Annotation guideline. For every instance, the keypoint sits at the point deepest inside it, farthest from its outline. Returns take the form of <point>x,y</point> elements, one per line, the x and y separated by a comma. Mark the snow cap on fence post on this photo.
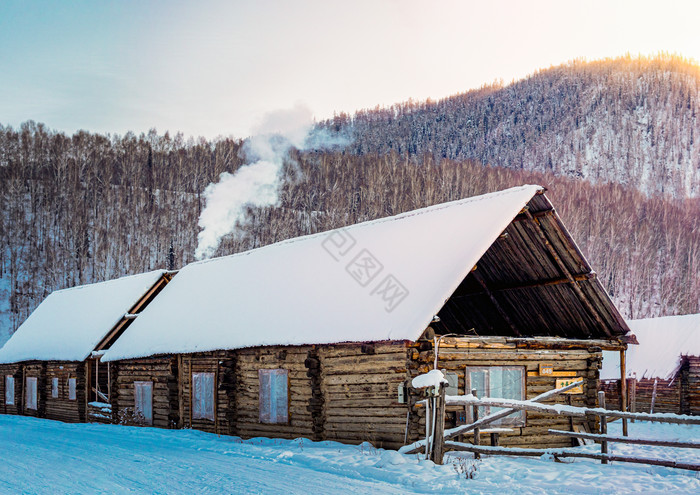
<point>433,378</point>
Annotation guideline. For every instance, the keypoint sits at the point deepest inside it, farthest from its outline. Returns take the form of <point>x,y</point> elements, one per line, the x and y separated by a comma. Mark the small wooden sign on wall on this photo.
<point>546,368</point>
<point>563,382</point>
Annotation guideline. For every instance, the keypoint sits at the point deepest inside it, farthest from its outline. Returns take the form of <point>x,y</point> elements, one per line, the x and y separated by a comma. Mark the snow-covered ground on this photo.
<point>42,456</point>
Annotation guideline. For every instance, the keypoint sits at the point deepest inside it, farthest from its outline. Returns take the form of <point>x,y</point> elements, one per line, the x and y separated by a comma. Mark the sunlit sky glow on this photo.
<point>215,67</point>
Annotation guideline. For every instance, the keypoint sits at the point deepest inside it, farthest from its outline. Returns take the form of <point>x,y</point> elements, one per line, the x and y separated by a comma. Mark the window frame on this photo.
<point>516,420</point>
<point>147,419</point>
<point>268,403</point>
<point>199,396</point>
<point>72,389</point>
<point>31,395</point>
<point>55,385</point>
<point>9,390</point>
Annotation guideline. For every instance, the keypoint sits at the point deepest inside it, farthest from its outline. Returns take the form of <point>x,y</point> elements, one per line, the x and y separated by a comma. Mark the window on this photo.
<point>502,382</point>
<point>203,396</point>
<point>71,389</point>
<point>274,396</point>
<point>143,401</point>
<point>30,394</point>
<point>9,390</point>
<point>54,388</point>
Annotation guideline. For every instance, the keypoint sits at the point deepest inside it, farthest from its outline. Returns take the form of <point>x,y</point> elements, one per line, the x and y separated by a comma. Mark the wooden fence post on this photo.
<point>603,426</point>
<point>623,389</point>
<point>477,430</point>
<point>439,431</point>
<point>632,388</point>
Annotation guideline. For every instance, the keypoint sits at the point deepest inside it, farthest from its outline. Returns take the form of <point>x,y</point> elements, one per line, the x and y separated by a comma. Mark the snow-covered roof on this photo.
<point>70,323</point>
<point>378,280</point>
<point>662,343</point>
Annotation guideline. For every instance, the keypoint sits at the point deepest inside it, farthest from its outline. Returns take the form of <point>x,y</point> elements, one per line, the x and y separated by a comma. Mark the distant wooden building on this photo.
<point>51,368</point>
<point>663,371</point>
<point>319,336</point>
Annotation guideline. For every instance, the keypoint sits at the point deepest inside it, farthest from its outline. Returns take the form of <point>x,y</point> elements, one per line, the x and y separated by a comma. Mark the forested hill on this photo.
<point>89,207</point>
<point>633,121</point>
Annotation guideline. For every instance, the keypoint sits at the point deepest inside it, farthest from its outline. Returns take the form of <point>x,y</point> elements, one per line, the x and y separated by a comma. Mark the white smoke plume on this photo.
<point>259,182</point>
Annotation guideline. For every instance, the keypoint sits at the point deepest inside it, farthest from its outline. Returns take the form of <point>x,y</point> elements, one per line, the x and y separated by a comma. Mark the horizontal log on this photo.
<point>630,440</point>
<point>486,450</point>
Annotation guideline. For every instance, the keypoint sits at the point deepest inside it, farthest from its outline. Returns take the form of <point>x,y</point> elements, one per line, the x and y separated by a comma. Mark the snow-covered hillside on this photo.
<point>42,456</point>
<point>633,121</point>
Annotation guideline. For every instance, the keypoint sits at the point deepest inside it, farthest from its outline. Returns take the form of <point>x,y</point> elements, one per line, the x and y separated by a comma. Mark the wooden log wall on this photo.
<point>222,364</point>
<point>63,408</point>
<point>668,395</point>
<point>690,384</point>
<point>247,388</point>
<point>457,354</point>
<point>16,371</point>
<point>163,372</point>
<point>360,384</point>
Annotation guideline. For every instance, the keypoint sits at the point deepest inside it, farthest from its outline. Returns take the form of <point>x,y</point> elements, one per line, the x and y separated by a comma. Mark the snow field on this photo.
<point>43,456</point>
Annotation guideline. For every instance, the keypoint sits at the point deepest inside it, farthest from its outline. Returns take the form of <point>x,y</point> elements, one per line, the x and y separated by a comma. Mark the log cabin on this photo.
<point>319,336</point>
<point>50,366</point>
<point>663,371</point>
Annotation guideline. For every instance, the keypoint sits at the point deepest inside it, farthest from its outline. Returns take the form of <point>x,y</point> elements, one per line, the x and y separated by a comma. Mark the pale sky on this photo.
<point>216,67</point>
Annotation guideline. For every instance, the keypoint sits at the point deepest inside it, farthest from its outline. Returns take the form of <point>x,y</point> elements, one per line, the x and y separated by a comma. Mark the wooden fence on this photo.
<point>436,444</point>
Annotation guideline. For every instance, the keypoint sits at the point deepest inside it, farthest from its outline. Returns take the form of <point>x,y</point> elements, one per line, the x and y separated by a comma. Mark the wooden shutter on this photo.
<point>203,396</point>
<point>9,390</point>
<point>143,401</point>
<point>264,397</point>
<point>274,396</point>
<point>71,389</point>
<point>30,398</point>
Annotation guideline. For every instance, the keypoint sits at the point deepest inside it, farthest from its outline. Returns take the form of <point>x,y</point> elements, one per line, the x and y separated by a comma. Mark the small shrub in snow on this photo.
<point>465,467</point>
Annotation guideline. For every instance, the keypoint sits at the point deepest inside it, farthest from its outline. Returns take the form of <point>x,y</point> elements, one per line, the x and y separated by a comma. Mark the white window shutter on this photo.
<point>208,396</point>
<point>274,396</point>
<point>30,400</point>
<point>71,389</point>
<point>196,395</point>
<point>264,378</point>
<point>281,396</point>
<point>143,400</point>
<point>203,395</point>
<point>9,390</point>
<point>54,388</point>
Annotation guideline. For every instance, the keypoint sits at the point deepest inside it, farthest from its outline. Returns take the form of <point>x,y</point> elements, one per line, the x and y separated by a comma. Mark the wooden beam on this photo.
<point>132,312</point>
<point>636,441</point>
<point>477,276</point>
<point>482,449</point>
<point>486,342</point>
<point>522,217</point>
<point>565,271</point>
<point>530,285</point>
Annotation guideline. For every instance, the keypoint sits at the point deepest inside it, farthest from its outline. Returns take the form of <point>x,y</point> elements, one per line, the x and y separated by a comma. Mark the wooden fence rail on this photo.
<point>575,411</point>
<point>637,441</point>
<point>557,454</point>
<point>442,441</point>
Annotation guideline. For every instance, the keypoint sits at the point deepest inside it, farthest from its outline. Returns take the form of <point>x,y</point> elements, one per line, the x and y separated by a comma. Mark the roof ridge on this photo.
<point>105,282</point>
<point>376,221</point>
